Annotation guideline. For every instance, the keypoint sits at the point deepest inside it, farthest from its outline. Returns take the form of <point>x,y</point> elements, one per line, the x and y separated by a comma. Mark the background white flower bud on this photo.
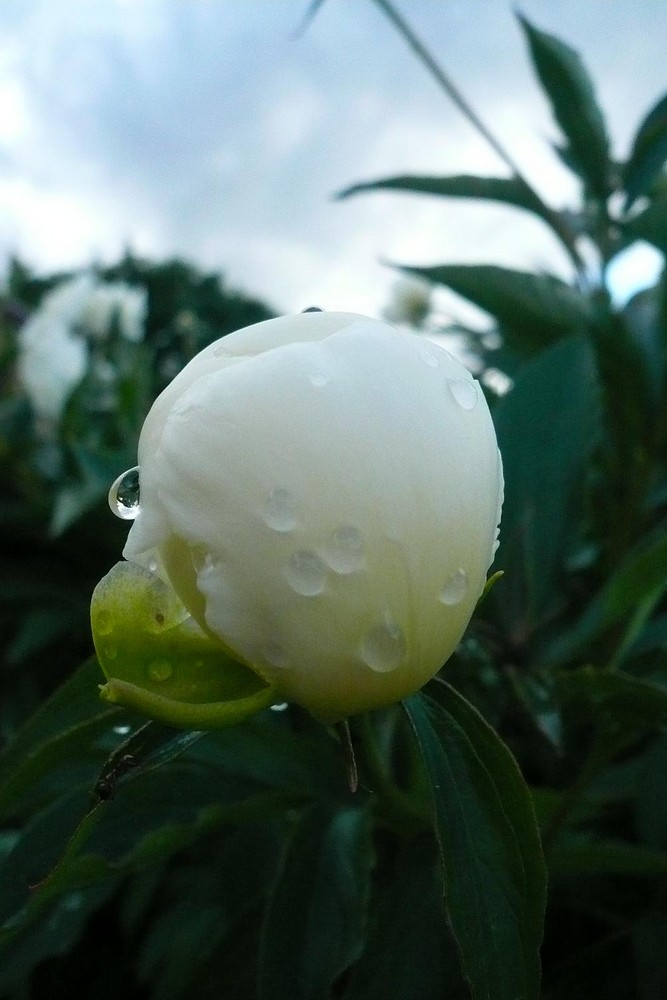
<point>323,493</point>
<point>53,343</point>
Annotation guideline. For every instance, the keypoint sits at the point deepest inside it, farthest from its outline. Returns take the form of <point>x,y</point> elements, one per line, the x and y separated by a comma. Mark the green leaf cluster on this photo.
<point>566,656</point>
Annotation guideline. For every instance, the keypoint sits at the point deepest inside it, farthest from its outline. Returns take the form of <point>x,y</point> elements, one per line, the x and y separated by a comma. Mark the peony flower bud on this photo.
<point>322,492</point>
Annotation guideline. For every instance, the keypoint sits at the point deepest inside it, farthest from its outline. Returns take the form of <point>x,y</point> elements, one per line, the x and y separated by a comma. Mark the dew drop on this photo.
<point>152,565</point>
<point>429,358</point>
<point>384,647</point>
<point>455,588</point>
<point>124,495</point>
<point>121,730</point>
<point>274,654</point>
<point>345,551</point>
<point>160,670</point>
<point>306,573</point>
<point>280,510</point>
<point>318,379</point>
<point>279,708</point>
<point>464,392</point>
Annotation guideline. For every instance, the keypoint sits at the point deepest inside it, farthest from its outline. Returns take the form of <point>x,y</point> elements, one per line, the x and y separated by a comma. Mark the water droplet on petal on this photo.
<point>280,510</point>
<point>464,392</point>
<point>121,730</point>
<point>384,647</point>
<point>124,495</point>
<point>455,588</point>
<point>429,358</point>
<point>274,654</point>
<point>103,623</point>
<point>318,379</point>
<point>345,551</point>
<point>160,670</point>
<point>306,573</point>
<point>152,565</point>
<point>279,708</point>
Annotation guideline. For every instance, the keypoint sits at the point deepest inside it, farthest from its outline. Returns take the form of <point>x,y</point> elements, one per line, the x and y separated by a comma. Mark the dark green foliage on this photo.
<point>567,655</point>
<point>146,862</point>
<point>57,536</point>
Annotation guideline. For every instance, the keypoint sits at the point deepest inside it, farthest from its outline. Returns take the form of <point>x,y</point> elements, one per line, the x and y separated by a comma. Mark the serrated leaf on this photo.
<point>314,923</point>
<point>533,309</point>
<point>574,105</point>
<point>547,427</point>
<point>494,875</point>
<point>648,153</point>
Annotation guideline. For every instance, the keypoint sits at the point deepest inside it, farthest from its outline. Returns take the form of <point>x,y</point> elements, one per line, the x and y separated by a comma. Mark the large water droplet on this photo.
<point>280,510</point>
<point>464,392</point>
<point>121,730</point>
<point>455,588</point>
<point>103,623</point>
<point>429,357</point>
<point>274,654</point>
<point>318,379</point>
<point>160,670</point>
<point>306,573</point>
<point>384,647</point>
<point>345,551</point>
<point>124,495</point>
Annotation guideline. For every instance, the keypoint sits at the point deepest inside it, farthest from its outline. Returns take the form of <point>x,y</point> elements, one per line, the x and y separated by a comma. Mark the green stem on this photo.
<point>399,806</point>
<point>447,84</point>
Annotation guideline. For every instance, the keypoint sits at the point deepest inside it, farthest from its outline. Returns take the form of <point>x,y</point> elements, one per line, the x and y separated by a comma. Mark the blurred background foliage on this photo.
<point>240,864</point>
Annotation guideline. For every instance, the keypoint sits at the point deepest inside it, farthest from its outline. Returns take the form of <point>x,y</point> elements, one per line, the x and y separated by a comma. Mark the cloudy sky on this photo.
<point>211,130</point>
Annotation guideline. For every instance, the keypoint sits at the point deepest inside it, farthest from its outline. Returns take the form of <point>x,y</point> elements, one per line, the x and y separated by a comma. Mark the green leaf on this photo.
<point>159,662</point>
<point>408,918</point>
<point>648,154</point>
<point>615,701</point>
<point>209,897</point>
<point>574,105</point>
<point>494,875</point>
<point>60,734</point>
<point>547,427</point>
<point>315,919</point>
<point>624,604</point>
<point>593,856</point>
<point>505,190</point>
<point>533,309</point>
<point>650,225</point>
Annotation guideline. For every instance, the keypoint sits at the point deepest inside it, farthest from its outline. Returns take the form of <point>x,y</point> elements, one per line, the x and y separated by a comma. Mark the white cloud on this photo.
<point>205,129</point>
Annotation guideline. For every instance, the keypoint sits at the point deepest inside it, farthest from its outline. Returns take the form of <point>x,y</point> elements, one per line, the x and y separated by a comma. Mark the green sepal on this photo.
<point>159,662</point>
<point>491,582</point>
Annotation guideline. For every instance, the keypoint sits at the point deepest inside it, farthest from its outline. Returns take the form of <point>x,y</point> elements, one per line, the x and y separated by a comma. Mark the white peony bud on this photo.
<point>323,491</point>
